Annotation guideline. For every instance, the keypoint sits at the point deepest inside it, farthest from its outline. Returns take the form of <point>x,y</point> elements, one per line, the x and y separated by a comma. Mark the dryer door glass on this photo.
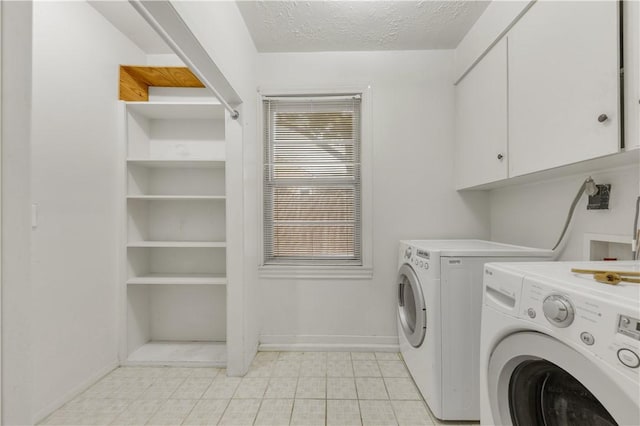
<point>412,310</point>
<point>541,393</point>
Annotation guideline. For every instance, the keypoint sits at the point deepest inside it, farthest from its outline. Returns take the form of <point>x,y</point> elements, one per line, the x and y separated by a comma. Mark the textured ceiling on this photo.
<point>311,26</point>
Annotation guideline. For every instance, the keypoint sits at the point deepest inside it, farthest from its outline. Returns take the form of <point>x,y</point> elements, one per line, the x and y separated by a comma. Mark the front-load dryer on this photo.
<point>439,298</point>
<point>559,348</point>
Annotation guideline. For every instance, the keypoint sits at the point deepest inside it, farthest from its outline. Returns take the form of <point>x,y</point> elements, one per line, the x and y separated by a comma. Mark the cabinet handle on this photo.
<point>602,118</point>
<point>500,156</point>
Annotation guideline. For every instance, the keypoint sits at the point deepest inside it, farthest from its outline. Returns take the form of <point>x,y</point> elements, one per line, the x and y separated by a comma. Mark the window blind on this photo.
<point>312,180</point>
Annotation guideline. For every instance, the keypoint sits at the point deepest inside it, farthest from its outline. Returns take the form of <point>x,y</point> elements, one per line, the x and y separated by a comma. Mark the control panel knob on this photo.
<point>407,253</point>
<point>558,310</point>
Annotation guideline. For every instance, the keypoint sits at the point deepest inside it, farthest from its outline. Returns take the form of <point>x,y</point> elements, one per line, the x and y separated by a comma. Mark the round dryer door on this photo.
<point>412,309</point>
<point>536,380</point>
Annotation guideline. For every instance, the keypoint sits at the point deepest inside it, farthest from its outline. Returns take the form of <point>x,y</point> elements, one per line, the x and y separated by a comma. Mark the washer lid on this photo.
<point>478,248</point>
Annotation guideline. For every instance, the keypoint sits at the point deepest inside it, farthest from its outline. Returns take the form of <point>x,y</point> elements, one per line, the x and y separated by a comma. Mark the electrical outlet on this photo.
<point>600,201</point>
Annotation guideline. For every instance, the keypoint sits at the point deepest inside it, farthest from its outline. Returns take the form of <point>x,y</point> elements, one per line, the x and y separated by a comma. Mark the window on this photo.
<point>312,180</point>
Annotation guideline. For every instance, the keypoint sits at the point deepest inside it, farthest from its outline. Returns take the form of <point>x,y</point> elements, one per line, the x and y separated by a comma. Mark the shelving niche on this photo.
<point>175,230</point>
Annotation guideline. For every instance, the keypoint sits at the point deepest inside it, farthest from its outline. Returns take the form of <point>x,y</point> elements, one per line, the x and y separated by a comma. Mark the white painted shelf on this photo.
<point>174,244</point>
<point>178,244</point>
<point>177,163</point>
<point>175,197</point>
<point>177,110</point>
<point>179,279</point>
<point>180,354</point>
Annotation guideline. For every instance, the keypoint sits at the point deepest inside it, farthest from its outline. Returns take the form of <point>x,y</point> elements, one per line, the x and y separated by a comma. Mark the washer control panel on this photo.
<point>417,258</point>
<point>608,329</point>
<point>629,326</point>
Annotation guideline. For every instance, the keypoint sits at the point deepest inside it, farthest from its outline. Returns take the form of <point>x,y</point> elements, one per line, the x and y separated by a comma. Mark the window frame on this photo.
<point>324,271</point>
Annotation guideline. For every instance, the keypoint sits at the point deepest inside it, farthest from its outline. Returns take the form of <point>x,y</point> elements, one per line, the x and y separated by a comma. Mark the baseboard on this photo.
<point>44,413</point>
<point>328,343</point>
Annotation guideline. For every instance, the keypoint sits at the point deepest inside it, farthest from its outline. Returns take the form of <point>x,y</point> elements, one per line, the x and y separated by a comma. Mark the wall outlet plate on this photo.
<point>600,201</point>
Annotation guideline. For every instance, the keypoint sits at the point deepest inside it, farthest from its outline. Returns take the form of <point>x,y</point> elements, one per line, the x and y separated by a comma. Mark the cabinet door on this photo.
<point>481,121</point>
<point>563,85</point>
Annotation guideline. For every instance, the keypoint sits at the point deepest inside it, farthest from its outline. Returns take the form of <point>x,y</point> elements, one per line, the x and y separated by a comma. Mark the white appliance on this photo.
<point>559,348</point>
<point>439,303</point>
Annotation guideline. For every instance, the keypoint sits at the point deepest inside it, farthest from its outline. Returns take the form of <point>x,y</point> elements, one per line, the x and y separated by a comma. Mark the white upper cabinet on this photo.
<point>481,118</point>
<point>563,85</point>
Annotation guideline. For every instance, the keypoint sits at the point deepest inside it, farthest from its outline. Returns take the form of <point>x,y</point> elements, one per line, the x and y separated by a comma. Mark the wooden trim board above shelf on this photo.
<point>135,80</point>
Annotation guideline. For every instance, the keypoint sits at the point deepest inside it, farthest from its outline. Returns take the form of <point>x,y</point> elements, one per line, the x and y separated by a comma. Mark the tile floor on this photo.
<point>281,388</point>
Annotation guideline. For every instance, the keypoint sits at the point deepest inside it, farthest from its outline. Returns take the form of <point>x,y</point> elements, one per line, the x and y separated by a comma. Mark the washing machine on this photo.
<point>439,298</point>
<point>559,348</point>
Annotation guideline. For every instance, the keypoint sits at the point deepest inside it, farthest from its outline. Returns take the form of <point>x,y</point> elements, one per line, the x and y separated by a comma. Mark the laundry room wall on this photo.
<point>413,195</point>
<point>534,214</point>
<point>17,375</point>
<point>74,155</point>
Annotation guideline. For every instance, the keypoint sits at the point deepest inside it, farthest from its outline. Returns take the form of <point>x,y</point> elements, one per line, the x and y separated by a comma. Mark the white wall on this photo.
<point>222,32</point>
<point>534,214</point>
<point>413,192</point>
<point>75,139</point>
<point>17,375</point>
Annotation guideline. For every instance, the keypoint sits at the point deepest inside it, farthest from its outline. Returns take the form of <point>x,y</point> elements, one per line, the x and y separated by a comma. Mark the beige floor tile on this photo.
<point>251,388</point>
<point>363,356</point>
<point>132,419</point>
<point>205,372</point>
<point>97,405</point>
<point>267,356</point>
<point>222,387</point>
<point>313,368</point>
<point>378,413</point>
<point>290,356</point>
<point>261,368</point>
<point>148,406</point>
<point>192,388</point>
<point>206,412</point>
<point>371,388</point>
<point>286,368</point>
<point>341,388</point>
<point>343,413</point>
<point>393,369</point>
<point>339,368</point>
<point>308,412</point>
<point>274,412</point>
<point>338,356</point>
<point>240,412</point>
<point>402,389</point>
<point>411,413</point>
<point>366,369</point>
<point>311,388</point>
<point>314,356</point>
<point>387,356</point>
<point>172,412</point>
<point>281,387</point>
<point>336,388</point>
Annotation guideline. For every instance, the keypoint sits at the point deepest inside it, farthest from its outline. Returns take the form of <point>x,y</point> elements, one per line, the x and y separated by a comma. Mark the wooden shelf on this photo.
<point>178,244</point>
<point>175,197</point>
<point>166,163</point>
<point>180,354</point>
<point>177,110</point>
<point>178,279</point>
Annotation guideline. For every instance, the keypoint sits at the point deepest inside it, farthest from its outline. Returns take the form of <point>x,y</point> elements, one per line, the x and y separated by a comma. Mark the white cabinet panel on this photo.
<point>563,74</point>
<point>481,121</point>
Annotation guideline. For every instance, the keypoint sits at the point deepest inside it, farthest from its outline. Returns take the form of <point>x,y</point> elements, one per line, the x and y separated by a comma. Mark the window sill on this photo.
<point>316,272</point>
